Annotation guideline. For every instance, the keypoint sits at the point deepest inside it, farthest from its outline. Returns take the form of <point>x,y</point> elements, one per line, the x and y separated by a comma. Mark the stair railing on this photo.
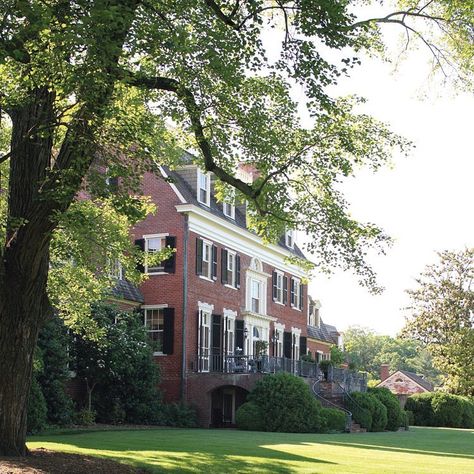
<point>325,400</point>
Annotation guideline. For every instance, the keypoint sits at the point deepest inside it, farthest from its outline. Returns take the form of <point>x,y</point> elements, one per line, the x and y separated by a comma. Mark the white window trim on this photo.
<point>279,273</point>
<point>119,267</point>
<point>207,277</point>
<point>208,309</point>
<point>154,306</point>
<point>200,173</point>
<point>297,295</point>
<point>146,237</point>
<point>289,234</point>
<point>233,284</point>
<point>231,205</point>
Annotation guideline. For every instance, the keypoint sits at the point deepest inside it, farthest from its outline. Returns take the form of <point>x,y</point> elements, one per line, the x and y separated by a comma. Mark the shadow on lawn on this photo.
<point>188,454</point>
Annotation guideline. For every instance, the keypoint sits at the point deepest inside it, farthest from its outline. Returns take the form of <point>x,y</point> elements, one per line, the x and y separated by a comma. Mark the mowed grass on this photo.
<point>420,450</point>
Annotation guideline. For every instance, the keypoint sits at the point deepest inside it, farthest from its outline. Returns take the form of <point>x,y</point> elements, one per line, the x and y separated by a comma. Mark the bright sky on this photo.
<point>425,203</point>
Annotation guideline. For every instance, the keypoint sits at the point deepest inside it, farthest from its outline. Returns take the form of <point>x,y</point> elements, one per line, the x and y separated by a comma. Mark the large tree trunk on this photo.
<point>24,266</point>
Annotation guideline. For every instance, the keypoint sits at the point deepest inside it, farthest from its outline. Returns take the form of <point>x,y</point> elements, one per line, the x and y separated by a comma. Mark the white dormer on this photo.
<point>229,204</point>
<point>289,238</point>
<point>204,187</point>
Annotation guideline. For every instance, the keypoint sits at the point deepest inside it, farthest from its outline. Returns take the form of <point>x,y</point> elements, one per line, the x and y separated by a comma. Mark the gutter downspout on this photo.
<point>185,308</point>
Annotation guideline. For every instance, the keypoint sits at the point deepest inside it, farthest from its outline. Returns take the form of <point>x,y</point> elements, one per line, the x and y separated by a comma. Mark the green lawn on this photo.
<point>420,450</point>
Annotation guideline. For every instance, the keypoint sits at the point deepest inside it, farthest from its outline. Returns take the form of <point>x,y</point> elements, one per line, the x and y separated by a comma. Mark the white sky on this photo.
<point>425,203</point>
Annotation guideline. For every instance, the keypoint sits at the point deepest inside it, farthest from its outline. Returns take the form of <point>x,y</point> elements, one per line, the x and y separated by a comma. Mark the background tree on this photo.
<point>83,81</point>
<point>442,316</point>
<point>367,351</point>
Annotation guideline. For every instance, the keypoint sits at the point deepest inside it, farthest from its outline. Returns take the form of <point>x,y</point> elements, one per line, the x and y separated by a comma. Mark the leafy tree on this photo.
<point>94,82</point>
<point>118,369</point>
<point>442,317</point>
<point>367,351</point>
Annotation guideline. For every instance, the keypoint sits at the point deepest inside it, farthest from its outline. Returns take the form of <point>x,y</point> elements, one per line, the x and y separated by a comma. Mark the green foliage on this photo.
<point>85,417</point>
<point>409,417</point>
<point>441,317</point>
<point>37,410</point>
<point>367,410</point>
<point>441,409</point>
<point>249,417</point>
<point>179,415</point>
<point>52,348</point>
<point>337,355</point>
<point>286,404</point>
<point>367,351</point>
<point>333,419</point>
<point>118,368</point>
<point>394,412</point>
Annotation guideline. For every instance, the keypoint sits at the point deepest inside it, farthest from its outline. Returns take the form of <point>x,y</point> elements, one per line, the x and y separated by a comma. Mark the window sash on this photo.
<point>279,287</point>
<point>153,245</point>
<point>206,259</point>
<point>154,324</point>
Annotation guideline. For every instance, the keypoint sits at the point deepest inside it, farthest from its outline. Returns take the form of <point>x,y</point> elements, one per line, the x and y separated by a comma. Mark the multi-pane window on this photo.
<point>204,340</point>
<point>152,245</point>
<point>231,268</point>
<point>278,290</point>
<point>204,188</point>
<point>256,295</point>
<point>154,323</point>
<point>115,269</point>
<point>289,238</point>
<point>296,294</point>
<point>206,259</point>
<point>229,204</point>
<point>230,335</point>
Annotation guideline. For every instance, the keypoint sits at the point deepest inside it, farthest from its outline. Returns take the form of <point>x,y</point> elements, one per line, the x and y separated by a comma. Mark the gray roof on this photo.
<point>419,380</point>
<point>126,291</point>
<point>321,333</point>
<point>186,182</point>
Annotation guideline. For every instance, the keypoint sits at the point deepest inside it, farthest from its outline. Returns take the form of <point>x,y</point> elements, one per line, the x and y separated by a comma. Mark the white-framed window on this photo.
<point>296,295</point>
<point>206,259</point>
<point>289,238</point>
<point>295,343</point>
<point>278,339</point>
<point>255,296</point>
<point>115,269</point>
<point>204,336</point>
<point>229,331</point>
<point>278,290</point>
<point>228,205</point>
<point>231,270</point>
<point>154,323</point>
<point>154,243</point>
<point>204,187</point>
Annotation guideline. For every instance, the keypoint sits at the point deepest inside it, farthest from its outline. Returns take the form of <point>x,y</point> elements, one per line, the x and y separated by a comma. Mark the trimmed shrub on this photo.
<point>333,419</point>
<point>179,415</point>
<point>441,409</point>
<point>368,411</point>
<point>37,410</point>
<point>286,404</point>
<point>420,406</point>
<point>85,417</point>
<point>395,416</point>
<point>249,417</point>
<point>410,419</point>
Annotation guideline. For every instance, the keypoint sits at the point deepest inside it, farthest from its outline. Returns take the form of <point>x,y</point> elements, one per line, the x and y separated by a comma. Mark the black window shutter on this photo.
<point>292,297</point>
<point>199,256</point>
<point>287,345</point>
<point>301,297</point>
<point>237,271</point>
<point>239,334</point>
<point>169,265</point>
<point>168,330</point>
<point>274,282</point>
<point>214,262</point>
<point>140,243</point>
<point>224,277</point>
<point>285,290</point>
<point>303,345</point>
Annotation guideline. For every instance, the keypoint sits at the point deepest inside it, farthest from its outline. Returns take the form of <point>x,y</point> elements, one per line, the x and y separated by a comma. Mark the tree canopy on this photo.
<point>441,315</point>
<point>126,84</point>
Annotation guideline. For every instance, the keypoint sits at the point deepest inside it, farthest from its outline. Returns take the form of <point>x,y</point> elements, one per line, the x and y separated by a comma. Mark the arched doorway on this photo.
<point>225,401</point>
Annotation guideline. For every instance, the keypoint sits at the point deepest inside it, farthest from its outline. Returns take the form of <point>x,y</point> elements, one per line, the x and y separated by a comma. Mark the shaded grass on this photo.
<point>421,450</point>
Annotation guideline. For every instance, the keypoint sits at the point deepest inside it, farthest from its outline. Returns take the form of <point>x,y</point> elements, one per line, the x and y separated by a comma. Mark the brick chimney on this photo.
<point>247,172</point>
<point>384,372</point>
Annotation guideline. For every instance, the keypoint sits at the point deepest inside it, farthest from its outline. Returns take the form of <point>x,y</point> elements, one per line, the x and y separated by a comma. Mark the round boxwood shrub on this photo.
<point>420,406</point>
<point>447,410</point>
<point>367,410</point>
<point>286,404</point>
<point>410,419</point>
<point>395,417</point>
<point>249,417</point>
<point>467,412</point>
<point>333,419</point>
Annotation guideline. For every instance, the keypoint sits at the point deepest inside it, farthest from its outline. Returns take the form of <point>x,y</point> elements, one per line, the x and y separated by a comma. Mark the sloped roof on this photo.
<point>126,291</point>
<point>322,333</point>
<point>215,208</point>
<point>418,379</point>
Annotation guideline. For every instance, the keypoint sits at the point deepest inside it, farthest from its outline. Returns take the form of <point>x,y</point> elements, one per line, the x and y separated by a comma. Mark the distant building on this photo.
<point>403,383</point>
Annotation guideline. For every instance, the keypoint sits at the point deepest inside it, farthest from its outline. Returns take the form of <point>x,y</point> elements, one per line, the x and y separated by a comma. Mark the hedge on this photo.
<point>395,416</point>
<point>333,419</point>
<point>249,417</point>
<point>441,409</point>
<point>367,410</point>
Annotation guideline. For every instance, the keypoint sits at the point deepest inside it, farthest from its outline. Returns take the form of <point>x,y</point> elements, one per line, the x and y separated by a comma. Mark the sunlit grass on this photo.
<point>421,450</point>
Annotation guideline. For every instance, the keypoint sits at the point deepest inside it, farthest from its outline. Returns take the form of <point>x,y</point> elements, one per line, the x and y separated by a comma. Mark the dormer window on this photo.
<point>289,239</point>
<point>229,205</point>
<point>204,188</point>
